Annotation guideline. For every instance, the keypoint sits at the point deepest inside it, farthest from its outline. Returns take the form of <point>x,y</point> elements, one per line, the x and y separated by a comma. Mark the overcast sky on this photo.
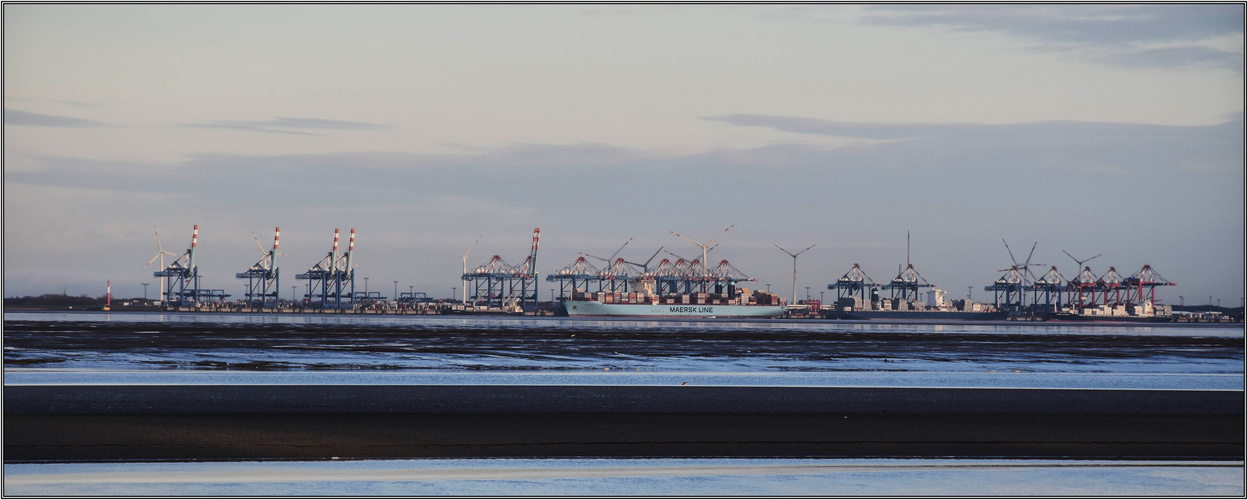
<point>1095,129</point>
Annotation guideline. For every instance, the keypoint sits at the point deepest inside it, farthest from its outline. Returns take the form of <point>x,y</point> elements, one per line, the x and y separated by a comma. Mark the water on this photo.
<point>152,348</point>
<point>1178,329</point>
<point>145,348</point>
<point>618,477</point>
<point>630,477</point>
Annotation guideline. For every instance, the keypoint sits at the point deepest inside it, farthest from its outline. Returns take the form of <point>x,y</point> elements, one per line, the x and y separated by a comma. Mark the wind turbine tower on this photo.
<point>503,285</point>
<point>1012,286</point>
<point>794,255</point>
<point>160,254</point>
<point>465,280</point>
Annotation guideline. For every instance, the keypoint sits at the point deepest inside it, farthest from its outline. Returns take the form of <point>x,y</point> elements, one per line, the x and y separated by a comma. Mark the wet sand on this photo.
<point>292,421</point>
<point>558,345</point>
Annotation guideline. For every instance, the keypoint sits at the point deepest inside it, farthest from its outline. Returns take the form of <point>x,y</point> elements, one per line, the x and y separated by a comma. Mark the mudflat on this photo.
<point>224,422</point>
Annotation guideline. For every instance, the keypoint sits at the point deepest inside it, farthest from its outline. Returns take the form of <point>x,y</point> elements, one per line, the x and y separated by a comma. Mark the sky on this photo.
<point>1114,130</point>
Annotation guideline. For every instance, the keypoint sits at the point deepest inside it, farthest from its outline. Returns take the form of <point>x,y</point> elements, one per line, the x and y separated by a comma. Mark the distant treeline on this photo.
<point>55,300</point>
<point>1209,308</point>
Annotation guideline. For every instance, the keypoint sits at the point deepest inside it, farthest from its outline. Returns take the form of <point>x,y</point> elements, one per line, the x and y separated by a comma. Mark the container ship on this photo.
<point>916,315</point>
<point>745,304</point>
<point>1147,312</point>
<point>935,307</point>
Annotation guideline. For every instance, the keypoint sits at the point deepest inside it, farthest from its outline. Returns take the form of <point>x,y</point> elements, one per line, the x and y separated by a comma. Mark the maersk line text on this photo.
<point>680,309</point>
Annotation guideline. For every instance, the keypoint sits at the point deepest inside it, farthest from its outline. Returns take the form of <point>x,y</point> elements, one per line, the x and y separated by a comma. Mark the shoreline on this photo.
<point>1054,323</point>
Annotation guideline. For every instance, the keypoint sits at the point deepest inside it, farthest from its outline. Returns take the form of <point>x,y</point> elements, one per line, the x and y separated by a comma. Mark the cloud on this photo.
<point>1177,56</point>
<point>1112,34</point>
<point>1094,24</point>
<point>75,104</point>
<point>979,160</point>
<point>860,130</point>
<point>285,125</point>
<point>527,173</point>
<point>28,119</point>
<point>59,102</point>
<point>1054,130</point>
<point>516,173</point>
<point>537,155</point>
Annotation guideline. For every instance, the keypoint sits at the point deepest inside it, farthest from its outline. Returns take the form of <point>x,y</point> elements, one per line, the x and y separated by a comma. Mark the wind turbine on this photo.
<point>1022,285</point>
<point>271,255</point>
<point>703,245</point>
<point>1026,263</point>
<point>610,260</point>
<point>261,247</point>
<point>681,257</point>
<point>1080,262</point>
<point>160,254</point>
<point>794,255</point>
<point>645,267</point>
<point>465,259</point>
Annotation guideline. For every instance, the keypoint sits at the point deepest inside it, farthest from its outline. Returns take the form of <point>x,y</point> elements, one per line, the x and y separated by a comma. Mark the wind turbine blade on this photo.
<point>595,257</point>
<point>1033,250</point>
<point>786,251</point>
<point>656,253</point>
<point>1072,257</point>
<point>151,261</point>
<point>1033,276</point>
<point>617,252</point>
<point>804,251</point>
<point>258,245</point>
<point>720,234</point>
<point>684,238</point>
<point>677,256</point>
<point>158,239</point>
<point>1093,257</point>
<point>474,245</point>
<point>1007,249</point>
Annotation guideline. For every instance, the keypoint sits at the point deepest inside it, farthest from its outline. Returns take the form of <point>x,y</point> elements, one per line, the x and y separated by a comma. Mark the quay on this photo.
<point>550,309</point>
